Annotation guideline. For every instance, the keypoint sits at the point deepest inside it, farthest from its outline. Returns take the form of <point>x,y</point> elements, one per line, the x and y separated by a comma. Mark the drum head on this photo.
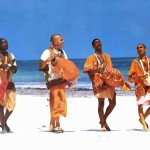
<point>66,69</point>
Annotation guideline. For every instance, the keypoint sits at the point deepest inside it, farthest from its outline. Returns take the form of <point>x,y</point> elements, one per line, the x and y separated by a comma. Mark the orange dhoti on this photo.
<point>67,71</point>
<point>58,103</point>
<point>106,93</point>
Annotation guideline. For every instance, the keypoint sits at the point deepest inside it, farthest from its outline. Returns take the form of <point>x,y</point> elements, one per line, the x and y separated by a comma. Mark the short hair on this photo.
<point>142,44</point>
<point>51,38</point>
<point>96,39</point>
<point>2,39</point>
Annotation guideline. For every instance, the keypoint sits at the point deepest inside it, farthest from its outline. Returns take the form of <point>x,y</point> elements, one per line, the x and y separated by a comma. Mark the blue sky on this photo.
<point>120,24</point>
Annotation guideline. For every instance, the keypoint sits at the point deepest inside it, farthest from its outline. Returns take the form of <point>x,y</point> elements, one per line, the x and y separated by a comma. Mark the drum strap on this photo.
<point>145,73</point>
<point>99,63</point>
<point>60,53</point>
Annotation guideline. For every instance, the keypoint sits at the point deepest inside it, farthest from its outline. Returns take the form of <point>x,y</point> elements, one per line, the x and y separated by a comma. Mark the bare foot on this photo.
<point>107,127</point>
<point>145,128</point>
<point>145,123</point>
<point>103,129</point>
<point>51,127</point>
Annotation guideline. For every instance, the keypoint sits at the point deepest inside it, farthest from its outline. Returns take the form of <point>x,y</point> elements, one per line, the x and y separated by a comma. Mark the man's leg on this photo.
<point>52,124</point>
<point>147,113</point>
<point>101,113</point>
<point>109,109</point>
<point>142,119</point>
<point>2,119</point>
<point>58,129</point>
<point>7,115</point>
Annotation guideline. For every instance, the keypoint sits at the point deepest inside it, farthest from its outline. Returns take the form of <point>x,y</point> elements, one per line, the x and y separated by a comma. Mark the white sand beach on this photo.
<point>30,120</point>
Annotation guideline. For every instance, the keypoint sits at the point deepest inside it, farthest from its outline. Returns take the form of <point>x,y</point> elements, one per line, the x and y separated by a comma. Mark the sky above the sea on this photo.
<point>119,24</point>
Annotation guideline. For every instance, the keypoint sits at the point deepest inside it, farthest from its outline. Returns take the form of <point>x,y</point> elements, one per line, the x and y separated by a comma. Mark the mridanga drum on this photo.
<point>112,76</point>
<point>67,70</point>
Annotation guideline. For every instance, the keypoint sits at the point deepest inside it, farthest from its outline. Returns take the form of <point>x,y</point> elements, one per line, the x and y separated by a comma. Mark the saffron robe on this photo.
<point>58,103</point>
<point>100,88</point>
<point>136,75</point>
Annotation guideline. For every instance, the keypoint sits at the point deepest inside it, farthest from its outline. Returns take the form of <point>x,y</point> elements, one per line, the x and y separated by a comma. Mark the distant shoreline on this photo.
<point>78,58</point>
<point>75,92</point>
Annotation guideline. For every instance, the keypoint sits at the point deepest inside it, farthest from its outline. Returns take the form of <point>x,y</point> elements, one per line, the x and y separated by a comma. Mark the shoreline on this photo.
<point>75,92</point>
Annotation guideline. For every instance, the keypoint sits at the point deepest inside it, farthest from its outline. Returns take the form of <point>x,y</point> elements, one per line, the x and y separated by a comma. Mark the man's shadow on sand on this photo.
<point>136,130</point>
<point>98,130</point>
<point>44,129</point>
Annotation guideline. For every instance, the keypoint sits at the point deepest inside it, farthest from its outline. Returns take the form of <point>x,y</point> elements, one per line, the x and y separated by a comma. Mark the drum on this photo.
<point>66,69</point>
<point>113,77</point>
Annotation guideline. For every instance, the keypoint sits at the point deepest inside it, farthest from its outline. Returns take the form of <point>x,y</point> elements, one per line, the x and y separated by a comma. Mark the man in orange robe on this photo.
<point>56,84</point>
<point>142,91</point>
<point>100,88</point>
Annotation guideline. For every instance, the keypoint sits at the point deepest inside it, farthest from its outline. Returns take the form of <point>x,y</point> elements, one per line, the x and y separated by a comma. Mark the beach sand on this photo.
<point>30,120</point>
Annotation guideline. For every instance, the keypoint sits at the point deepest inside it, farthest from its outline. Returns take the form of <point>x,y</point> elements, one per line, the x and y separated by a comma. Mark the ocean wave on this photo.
<point>42,85</point>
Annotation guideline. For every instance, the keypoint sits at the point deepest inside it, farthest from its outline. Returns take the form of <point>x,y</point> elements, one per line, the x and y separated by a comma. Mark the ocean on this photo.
<point>28,74</point>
